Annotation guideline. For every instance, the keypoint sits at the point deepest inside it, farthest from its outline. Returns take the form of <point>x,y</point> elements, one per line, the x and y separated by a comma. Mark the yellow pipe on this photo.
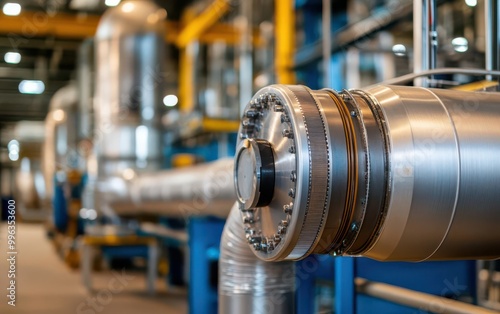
<point>69,26</point>
<point>476,86</point>
<point>220,125</point>
<point>284,41</point>
<point>195,28</point>
<point>186,79</point>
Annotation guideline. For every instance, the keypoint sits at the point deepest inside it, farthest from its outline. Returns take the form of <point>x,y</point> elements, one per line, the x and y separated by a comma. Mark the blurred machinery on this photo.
<point>28,188</point>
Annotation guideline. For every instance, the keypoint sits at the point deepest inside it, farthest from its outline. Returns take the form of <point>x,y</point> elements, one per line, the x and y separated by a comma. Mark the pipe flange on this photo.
<point>282,172</point>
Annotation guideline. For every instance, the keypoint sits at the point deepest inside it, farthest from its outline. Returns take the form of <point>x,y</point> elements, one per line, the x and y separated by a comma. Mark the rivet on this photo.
<point>288,208</point>
<point>287,133</point>
<point>285,118</point>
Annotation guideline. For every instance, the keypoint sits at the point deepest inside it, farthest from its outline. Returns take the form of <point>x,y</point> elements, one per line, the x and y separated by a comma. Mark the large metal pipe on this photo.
<point>391,173</point>
<point>419,300</point>
<point>248,285</point>
<point>201,190</point>
<point>59,148</point>
<point>129,52</point>
<point>129,56</point>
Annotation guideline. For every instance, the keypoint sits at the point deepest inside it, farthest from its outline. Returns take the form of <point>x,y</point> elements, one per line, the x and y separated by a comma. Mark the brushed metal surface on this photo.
<point>407,174</point>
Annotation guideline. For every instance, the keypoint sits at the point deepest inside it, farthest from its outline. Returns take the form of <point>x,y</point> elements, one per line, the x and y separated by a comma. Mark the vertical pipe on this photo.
<point>187,77</point>
<point>284,41</point>
<point>248,285</point>
<point>85,88</point>
<point>432,37</point>
<point>327,42</point>
<point>245,53</point>
<point>418,42</point>
<point>492,40</point>
<point>424,38</point>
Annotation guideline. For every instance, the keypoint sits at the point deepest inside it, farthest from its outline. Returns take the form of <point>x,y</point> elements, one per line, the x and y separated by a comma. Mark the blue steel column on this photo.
<point>204,240</point>
<point>345,291</point>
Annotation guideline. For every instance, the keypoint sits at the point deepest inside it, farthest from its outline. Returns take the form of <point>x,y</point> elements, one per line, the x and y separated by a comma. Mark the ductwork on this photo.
<point>248,285</point>
<point>59,150</point>
<point>129,56</point>
<point>206,189</point>
<point>390,172</point>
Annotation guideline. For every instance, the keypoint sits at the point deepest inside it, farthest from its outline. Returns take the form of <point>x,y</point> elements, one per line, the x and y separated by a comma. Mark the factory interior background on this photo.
<point>149,163</point>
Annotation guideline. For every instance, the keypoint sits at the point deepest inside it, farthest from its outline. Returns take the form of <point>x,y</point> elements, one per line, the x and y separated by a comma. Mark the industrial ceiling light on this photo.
<point>33,87</point>
<point>12,57</point>
<point>460,44</point>
<point>13,146</point>
<point>471,3</point>
<point>399,50</point>
<point>14,156</point>
<point>112,3</point>
<point>170,100</point>
<point>11,9</point>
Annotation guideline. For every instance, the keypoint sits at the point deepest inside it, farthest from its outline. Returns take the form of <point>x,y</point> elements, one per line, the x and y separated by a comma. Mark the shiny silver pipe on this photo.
<point>60,145</point>
<point>129,54</point>
<point>390,172</point>
<point>248,285</point>
<point>206,189</point>
<point>425,37</point>
<point>129,57</point>
<point>86,77</point>
<point>419,300</point>
<point>492,35</point>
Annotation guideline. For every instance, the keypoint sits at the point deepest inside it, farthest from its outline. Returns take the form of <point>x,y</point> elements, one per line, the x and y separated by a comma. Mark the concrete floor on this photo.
<point>44,284</point>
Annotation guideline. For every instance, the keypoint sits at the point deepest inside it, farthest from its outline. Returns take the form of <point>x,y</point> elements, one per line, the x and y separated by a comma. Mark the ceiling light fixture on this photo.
<point>12,9</point>
<point>33,87</point>
<point>170,100</point>
<point>112,3</point>
<point>12,57</point>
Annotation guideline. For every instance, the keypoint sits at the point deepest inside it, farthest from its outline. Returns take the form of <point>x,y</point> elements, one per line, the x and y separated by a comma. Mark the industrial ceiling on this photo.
<point>47,34</point>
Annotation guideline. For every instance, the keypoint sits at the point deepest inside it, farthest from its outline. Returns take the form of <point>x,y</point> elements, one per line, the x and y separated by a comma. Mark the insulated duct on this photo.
<point>206,189</point>
<point>129,56</point>
<point>248,284</point>
<point>129,52</point>
<point>60,145</point>
<point>390,173</point>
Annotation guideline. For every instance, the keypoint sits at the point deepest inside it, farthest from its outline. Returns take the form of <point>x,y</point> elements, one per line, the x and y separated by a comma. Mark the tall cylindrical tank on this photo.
<point>129,56</point>
<point>129,65</point>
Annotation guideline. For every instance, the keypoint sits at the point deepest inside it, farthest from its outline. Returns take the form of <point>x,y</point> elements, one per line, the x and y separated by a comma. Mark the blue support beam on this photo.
<point>204,241</point>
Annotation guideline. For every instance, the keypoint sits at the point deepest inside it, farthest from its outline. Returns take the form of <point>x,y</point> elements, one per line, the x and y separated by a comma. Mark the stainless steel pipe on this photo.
<point>419,300</point>
<point>391,173</point>
<point>248,285</point>
<point>201,190</point>
<point>129,57</point>
<point>129,54</point>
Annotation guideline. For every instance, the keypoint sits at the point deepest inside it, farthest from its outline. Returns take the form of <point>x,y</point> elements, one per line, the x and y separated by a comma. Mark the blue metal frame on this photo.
<point>204,241</point>
<point>451,279</point>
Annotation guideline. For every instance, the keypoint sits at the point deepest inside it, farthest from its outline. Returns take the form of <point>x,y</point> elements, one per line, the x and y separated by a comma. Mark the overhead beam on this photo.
<point>201,23</point>
<point>356,32</point>
<point>31,26</point>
